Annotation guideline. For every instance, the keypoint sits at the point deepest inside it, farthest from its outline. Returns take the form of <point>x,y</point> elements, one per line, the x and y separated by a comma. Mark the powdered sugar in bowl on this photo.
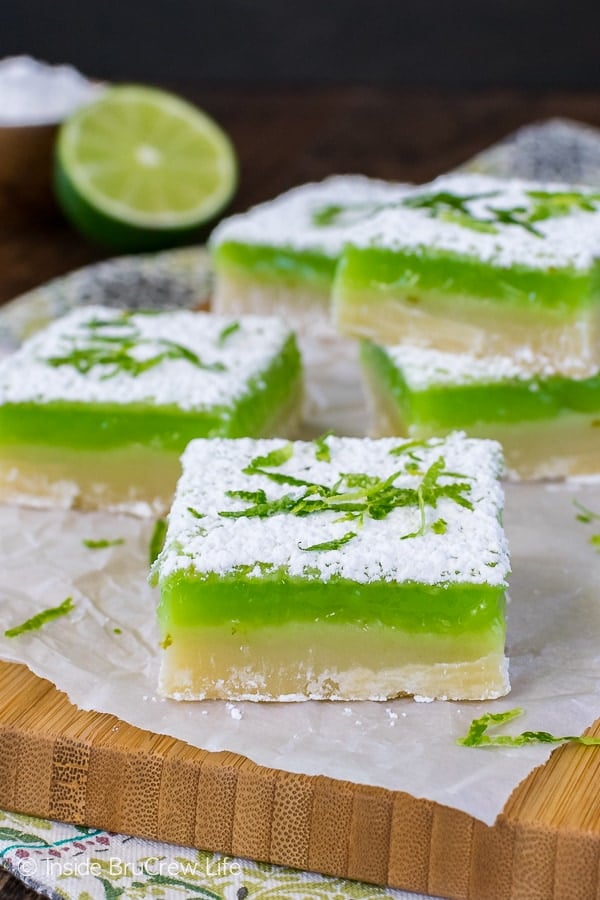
<point>34,99</point>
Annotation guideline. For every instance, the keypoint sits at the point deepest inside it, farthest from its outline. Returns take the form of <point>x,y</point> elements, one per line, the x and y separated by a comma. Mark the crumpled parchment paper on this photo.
<point>105,654</point>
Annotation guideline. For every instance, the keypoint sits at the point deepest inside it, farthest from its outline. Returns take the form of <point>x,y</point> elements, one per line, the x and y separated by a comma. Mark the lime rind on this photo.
<point>114,234</point>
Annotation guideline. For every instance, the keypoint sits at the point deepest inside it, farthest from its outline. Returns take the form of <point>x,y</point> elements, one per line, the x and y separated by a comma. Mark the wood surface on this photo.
<point>87,768</point>
<point>288,136</point>
<point>92,769</point>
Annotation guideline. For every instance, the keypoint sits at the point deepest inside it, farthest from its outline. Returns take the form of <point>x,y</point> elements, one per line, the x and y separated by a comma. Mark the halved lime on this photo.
<point>140,169</point>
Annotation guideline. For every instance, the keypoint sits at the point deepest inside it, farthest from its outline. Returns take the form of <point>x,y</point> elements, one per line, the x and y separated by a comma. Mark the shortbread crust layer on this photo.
<point>385,303</point>
<point>132,478</point>
<point>305,308</point>
<point>334,662</point>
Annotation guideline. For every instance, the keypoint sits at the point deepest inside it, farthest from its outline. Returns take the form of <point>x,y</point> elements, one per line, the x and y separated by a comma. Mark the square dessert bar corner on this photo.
<point>547,420</point>
<point>342,569</point>
<point>476,264</point>
<point>281,255</point>
<point>96,409</point>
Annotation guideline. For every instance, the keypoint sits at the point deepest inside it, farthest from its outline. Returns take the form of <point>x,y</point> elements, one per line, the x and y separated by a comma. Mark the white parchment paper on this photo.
<point>553,641</point>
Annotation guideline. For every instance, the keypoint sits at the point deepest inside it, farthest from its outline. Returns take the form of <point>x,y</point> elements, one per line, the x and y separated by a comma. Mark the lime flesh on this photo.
<point>141,168</point>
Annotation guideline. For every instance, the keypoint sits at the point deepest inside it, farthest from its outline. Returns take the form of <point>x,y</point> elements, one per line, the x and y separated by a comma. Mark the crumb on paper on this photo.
<point>234,711</point>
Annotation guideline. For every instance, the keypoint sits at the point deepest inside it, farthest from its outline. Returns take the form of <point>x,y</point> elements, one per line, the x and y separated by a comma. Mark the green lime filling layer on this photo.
<point>277,264</point>
<point>97,426</point>
<point>455,406</point>
<point>385,272</point>
<point>277,599</point>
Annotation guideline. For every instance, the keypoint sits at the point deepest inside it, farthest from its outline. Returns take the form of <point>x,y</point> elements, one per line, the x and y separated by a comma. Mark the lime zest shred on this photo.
<point>585,514</point>
<point>409,446</point>
<point>157,539</point>
<point>337,215</point>
<point>454,208</point>
<point>422,517</point>
<point>226,332</point>
<point>40,619</point>
<point>333,544</point>
<point>451,207</point>
<point>477,735</point>
<point>195,514</point>
<point>201,532</point>
<point>322,451</point>
<point>100,544</point>
<point>276,457</point>
<point>554,204</point>
<point>355,495</point>
<point>114,352</point>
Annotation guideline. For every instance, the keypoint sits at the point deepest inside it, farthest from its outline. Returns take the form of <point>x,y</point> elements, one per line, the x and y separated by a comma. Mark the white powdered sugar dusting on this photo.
<point>36,93</point>
<point>424,367</point>
<point>230,360</point>
<point>473,548</point>
<point>289,220</point>
<point>569,240</point>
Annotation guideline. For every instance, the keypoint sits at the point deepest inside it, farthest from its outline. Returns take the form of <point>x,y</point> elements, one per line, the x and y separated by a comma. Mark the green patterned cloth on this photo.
<point>68,862</point>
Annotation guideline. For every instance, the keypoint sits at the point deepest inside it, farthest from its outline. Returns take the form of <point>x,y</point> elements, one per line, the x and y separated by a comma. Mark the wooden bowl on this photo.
<point>26,153</point>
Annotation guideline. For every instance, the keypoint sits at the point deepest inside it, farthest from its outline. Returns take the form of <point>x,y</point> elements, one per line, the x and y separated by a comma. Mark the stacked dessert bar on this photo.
<point>359,568</point>
<point>479,304</point>
<point>280,258</point>
<point>477,299</point>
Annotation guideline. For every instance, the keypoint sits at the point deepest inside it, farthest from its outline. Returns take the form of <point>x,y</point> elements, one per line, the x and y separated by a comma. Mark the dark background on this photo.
<point>448,43</point>
<point>391,88</point>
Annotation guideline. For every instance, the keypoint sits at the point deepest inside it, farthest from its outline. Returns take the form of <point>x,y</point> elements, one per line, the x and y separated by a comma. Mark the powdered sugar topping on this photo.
<point>424,367</point>
<point>290,219</point>
<point>232,352</point>
<point>566,235</point>
<point>36,93</point>
<point>472,549</point>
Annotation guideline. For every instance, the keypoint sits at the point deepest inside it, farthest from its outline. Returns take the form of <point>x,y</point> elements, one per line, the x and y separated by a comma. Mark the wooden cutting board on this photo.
<point>93,769</point>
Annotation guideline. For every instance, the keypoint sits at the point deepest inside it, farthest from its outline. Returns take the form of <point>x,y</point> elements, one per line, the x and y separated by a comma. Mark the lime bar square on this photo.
<point>96,410</point>
<point>340,569</point>
<point>547,421</point>
<point>476,264</point>
<point>280,256</point>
